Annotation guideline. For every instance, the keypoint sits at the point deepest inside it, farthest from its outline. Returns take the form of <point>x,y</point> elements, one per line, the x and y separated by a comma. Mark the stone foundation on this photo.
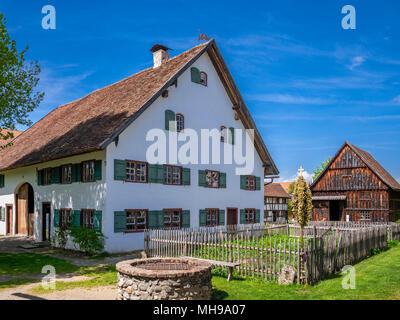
<point>164,279</point>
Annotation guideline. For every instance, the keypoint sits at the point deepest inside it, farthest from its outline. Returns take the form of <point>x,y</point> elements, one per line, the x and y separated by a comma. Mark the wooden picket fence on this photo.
<point>262,251</point>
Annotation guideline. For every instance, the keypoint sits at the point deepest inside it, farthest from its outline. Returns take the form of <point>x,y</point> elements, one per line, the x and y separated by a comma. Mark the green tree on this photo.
<point>319,170</point>
<point>301,204</point>
<point>18,80</point>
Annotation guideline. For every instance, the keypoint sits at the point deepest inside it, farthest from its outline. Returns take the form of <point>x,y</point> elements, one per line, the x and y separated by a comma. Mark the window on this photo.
<point>203,78</point>
<point>136,220</point>
<point>172,175</point>
<point>212,179</point>
<point>66,174</point>
<point>46,176</point>
<point>223,134</point>
<point>212,217</point>
<point>172,218</point>
<point>364,215</point>
<point>250,183</point>
<point>180,122</point>
<point>87,218</point>
<point>65,218</point>
<point>136,171</point>
<point>250,215</point>
<point>88,171</point>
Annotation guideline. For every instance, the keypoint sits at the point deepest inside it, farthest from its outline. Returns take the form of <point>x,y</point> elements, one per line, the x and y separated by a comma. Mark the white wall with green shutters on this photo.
<point>203,108</point>
<point>78,195</point>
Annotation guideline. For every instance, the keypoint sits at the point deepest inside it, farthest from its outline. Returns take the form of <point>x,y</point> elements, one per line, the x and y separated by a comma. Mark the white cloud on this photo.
<point>287,98</point>
<point>307,176</point>
<point>356,62</point>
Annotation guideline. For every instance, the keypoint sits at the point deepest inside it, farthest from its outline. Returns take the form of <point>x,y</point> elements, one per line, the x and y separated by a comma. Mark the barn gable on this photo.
<point>354,187</point>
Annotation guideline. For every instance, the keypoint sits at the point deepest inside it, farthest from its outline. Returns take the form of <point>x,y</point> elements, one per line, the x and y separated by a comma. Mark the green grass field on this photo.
<point>377,277</point>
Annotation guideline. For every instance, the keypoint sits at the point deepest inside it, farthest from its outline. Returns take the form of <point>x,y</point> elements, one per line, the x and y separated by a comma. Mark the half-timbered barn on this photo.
<point>355,187</point>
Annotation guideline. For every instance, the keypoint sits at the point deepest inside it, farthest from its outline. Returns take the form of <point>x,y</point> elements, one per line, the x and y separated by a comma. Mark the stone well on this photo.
<point>164,279</point>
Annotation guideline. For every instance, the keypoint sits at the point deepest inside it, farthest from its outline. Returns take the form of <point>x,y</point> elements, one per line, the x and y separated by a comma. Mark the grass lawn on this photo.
<point>32,263</point>
<point>377,277</point>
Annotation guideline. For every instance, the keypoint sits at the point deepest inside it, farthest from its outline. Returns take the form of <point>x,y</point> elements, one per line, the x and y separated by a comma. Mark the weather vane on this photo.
<point>203,36</point>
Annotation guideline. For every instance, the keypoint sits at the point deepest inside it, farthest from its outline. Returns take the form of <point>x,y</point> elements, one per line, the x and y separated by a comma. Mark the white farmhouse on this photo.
<point>85,163</point>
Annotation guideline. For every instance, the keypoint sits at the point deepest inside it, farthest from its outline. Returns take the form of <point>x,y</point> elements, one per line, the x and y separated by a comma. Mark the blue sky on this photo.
<point>309,84</point>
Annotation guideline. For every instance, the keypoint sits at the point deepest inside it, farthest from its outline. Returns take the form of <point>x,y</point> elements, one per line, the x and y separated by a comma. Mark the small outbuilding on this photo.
<point>355,187</point>
<point>275,203</point>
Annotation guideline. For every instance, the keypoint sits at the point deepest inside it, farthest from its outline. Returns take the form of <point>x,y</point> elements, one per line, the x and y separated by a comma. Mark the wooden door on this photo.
<point>22,209</point>
<point>232,216</point>
<point>9,219</point>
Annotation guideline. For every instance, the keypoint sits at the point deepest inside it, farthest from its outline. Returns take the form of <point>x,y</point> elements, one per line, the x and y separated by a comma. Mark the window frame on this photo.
<point>219,179</point>
<point>84,212</point>
<point>254,178</point>
<point>223,134</point>
<point>83,171</point>
<point>62,173</point>
<point>63,224</point>
<point>364,218</point>
<point>203,82</point>
<point>172,167</point>
<point>136,211</point>
<point>169,210</point>
<point>46,172</point>
<point>209,210</point>
<point>136,175</point>
<point>183,122</point>
<point>253,210</point>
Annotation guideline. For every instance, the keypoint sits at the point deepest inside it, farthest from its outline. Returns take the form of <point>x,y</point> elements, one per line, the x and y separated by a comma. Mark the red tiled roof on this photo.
<point>275,190</point>
<point>84,125</point>
<point>16,133</point>
<point>285,185</point>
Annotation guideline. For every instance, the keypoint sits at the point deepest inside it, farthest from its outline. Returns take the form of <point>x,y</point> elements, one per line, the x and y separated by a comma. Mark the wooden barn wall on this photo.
<point>367,197</point>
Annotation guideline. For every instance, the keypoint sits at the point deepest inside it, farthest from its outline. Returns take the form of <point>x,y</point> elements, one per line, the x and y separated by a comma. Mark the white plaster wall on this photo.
<point>77,195</point>
<point>203,107</point>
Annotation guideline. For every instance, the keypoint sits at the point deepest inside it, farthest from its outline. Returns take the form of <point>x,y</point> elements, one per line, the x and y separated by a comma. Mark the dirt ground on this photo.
<point>13,244</point>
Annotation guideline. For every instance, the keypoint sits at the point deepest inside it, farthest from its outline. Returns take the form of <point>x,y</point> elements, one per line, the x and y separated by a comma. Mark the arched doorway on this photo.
<point>25,209</point>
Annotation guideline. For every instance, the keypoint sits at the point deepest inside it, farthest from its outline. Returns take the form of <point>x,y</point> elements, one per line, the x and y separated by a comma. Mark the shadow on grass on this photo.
<point>218,294</point>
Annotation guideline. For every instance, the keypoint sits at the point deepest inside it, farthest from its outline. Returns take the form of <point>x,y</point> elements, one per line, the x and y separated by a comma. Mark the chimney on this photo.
<point>160,55</point>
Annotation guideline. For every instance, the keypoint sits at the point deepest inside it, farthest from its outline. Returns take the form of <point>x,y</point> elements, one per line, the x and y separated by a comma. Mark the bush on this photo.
<point>393,243</point>
<point>60,238</point>
<point>88,241</point>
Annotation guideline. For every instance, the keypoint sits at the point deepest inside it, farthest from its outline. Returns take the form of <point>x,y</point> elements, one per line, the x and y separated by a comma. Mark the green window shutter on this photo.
<point>257,220</point>
<point>185,219</point>
<point>202,178</point>
<point>76,218</point>
<point>243,182</point>
<point>161,219</point>
<point>97,170</point>
<point>222,180</point>
<point>3,214</point>
<point>56,218</point>
<point>119,170</point>
<point>221,217</point>
<point>169,117</point>
<point>242,216</point>
<point>160,173</point>
<point>97,221</point>
<point>232,135</point>
<point>152,173</point>
<point>76,172</point>
<point>40,177</point>
<point>55,175</point>
<point>203,218</point>
<point>119,221</point>
<point>195,75</point>
<point>154,219</point>
<point>258,183</point>
<point>2,181</point>
<point>186,176</point>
